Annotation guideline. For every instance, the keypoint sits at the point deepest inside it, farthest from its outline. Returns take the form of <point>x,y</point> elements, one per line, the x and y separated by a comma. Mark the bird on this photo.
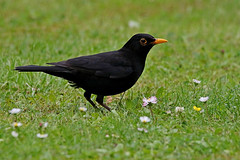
<point>106,73</point>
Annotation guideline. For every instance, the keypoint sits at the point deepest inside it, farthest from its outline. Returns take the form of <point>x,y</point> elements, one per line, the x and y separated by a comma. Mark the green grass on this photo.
<point>203,44</point>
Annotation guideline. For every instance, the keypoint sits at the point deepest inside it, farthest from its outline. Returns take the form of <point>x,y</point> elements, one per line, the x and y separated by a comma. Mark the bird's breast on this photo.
<point>108,86</point>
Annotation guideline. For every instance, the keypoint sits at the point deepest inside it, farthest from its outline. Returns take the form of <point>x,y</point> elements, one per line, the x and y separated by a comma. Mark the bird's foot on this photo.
<point>100,101</point>
<point>105,106</point>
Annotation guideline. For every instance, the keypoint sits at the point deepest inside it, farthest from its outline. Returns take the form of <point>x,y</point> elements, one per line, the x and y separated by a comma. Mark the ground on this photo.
<point>203,44</point>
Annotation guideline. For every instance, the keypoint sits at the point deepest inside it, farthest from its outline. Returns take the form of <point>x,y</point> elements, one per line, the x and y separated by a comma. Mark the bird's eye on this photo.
<point>143,41</point>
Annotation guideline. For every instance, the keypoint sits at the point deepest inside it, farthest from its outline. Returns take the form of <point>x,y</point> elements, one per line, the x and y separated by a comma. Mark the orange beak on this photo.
<point>158,40</point>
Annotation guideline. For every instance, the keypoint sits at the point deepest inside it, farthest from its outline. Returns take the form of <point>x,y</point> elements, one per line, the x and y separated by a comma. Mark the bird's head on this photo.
<point>142,43</point>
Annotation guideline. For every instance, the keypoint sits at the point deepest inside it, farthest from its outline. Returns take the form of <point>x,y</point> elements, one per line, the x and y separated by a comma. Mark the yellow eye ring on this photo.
<point>143,41</point>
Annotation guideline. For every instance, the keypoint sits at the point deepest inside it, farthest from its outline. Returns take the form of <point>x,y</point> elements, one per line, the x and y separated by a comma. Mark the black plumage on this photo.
<point>103,74</point>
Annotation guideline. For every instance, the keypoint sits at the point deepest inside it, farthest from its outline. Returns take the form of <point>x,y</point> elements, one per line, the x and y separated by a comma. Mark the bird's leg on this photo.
<point>88,97</point>
<point>100,101</point>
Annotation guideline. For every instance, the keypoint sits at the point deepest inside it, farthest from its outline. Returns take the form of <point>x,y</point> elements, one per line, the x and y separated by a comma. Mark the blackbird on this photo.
<point>103,74</point>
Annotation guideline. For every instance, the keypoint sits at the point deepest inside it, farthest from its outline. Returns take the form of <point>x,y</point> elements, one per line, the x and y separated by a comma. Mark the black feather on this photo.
<point>105,73</point>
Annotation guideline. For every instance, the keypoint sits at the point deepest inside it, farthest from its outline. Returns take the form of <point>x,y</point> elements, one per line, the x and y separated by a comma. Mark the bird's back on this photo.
<point>106,73</point>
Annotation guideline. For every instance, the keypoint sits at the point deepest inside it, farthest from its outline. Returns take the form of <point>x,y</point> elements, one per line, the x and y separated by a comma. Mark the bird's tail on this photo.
<point>34,68</point>
<point>53,70</point>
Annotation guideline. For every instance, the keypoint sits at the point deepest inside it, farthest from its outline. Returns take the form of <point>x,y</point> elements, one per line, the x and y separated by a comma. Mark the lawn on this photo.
<point>203,43</point>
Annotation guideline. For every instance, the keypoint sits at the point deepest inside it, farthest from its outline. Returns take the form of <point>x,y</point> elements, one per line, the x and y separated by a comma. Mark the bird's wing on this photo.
<point>101,65</point>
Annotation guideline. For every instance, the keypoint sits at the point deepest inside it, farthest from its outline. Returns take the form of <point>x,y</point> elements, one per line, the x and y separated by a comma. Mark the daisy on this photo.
<point>39,135</point>
<point>15,111</point>
<point>133,24</point>
<point>152,99</point>
<point>82,109</point>
<point>142,129</point>
<point>14,134</point>
<point>145,119</point>
<point>196,81</point>
<point>203,99</point>
<point>196,108</point>
<point>179,109</point>
<point>17,124</point>
<point>114,135</point>
<point>168,112</point>
<point>44,125</point>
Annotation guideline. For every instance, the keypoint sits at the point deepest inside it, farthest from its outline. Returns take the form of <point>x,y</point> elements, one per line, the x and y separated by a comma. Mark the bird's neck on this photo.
<point>137,58</point>
<point>141,55</point>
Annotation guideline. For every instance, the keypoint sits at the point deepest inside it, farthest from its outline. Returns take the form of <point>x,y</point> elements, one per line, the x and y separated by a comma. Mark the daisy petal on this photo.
<point>179,109</point>
<point>17,124</point>
<point>204,99</point>
<point>196,81</point>
<point>39,135</point>
<point>83,109</point>
<point>153,99</point>
<point>145,104</point>
<point>145,119</point>
<point>15,111</point>
<point>14,134</point>
<point>202,111</point>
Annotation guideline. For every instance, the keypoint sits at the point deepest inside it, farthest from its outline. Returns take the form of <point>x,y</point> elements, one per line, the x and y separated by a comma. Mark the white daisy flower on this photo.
<point>114,135</point>
<point>142,129</point>
<point>17,124</point>
<point>15,111</point>
<point>203,99</point>
<point>145,102</point>
<point>179,109</point>
<point>45,125</point>
<point>168,112</point>
<point>14,134</point>
<point>133,24</point>
<point>152,99</point>
<point>39,135</point>
<point>196,81</point>
<point>145,119</point>
<point>82,109</point>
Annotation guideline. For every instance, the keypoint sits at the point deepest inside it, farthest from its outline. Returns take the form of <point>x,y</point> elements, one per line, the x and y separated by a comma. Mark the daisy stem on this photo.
<point>194,91</point>
<point>205,105</point>
<point>150,108</point>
